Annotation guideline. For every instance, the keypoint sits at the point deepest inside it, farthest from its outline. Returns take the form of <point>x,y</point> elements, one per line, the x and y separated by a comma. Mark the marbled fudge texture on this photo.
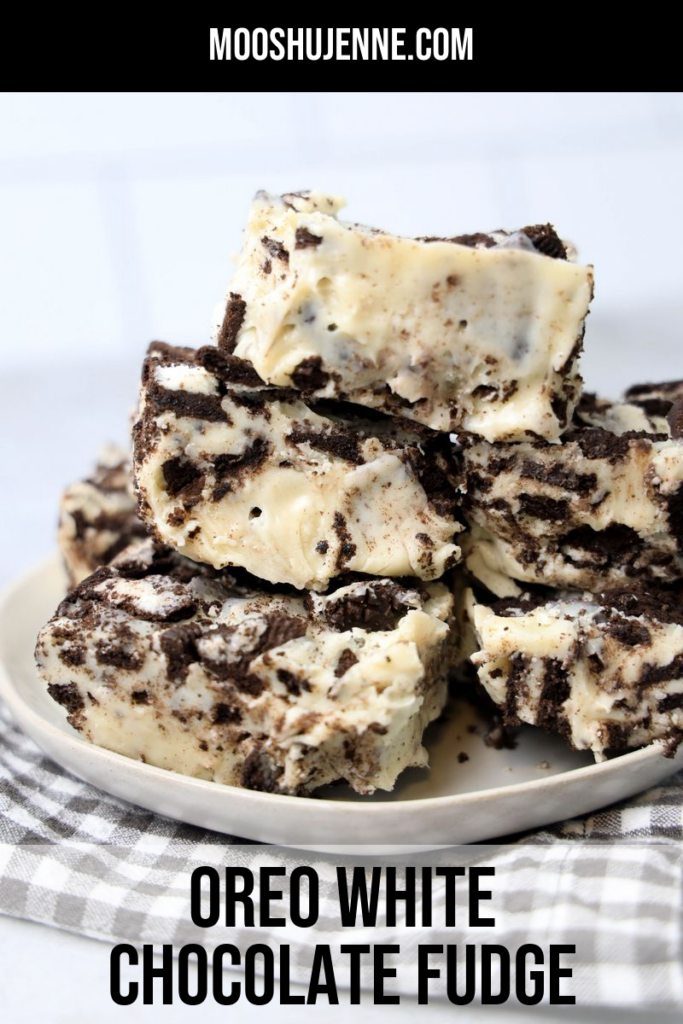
<point>604,670</point>
<point>98,516</point>
<point>604,507</point>
<point>225,678</point>
<point>231,472</point>
<point>655,400</point>
<point>479,332</point>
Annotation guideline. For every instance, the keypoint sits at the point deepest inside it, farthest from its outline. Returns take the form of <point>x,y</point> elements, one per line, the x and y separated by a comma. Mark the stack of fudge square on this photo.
<point>381,477</point>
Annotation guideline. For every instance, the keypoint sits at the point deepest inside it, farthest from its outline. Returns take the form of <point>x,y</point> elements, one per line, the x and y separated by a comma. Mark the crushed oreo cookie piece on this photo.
<point>374,606</point>
<point>305,239</point>
<point>545,240</point>
<point>347,659</point>
<point>674,418</point>
<point>309,375</point>
<point>275,248</point>
<point>235,312</point>
<point>340,443</point>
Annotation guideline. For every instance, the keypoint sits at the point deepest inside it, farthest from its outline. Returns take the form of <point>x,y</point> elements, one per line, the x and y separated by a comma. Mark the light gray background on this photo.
<point>118,218</point>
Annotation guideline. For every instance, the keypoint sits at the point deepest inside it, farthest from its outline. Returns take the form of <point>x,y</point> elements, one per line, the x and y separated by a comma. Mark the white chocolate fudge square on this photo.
<point>604,670</point>
<point>192,670</point>
<point>603,507</point>
<point>98,516</point>
<point>230,473</point>
<point>477,332</point>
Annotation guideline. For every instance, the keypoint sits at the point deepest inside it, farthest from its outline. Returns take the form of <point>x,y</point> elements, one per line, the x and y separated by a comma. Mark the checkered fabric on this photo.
<point>80,860</point>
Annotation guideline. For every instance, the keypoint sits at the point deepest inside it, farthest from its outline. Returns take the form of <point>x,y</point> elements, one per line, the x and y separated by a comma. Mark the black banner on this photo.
<point>503,53</point>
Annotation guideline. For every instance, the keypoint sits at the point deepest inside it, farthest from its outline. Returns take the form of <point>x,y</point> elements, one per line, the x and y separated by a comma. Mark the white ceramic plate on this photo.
<point>493,793</point>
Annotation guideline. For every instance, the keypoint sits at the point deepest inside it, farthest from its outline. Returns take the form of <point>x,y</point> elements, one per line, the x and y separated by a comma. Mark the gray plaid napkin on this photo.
<point>80,860</point>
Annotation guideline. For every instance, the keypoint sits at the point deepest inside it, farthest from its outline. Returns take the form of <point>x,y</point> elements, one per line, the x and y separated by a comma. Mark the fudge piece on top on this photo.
<point>477,332</point>
<point>230,473</point>
<point>235,681</point>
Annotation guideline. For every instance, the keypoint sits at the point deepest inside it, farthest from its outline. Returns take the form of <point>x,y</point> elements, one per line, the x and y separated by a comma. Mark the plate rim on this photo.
<point>11,694</point>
